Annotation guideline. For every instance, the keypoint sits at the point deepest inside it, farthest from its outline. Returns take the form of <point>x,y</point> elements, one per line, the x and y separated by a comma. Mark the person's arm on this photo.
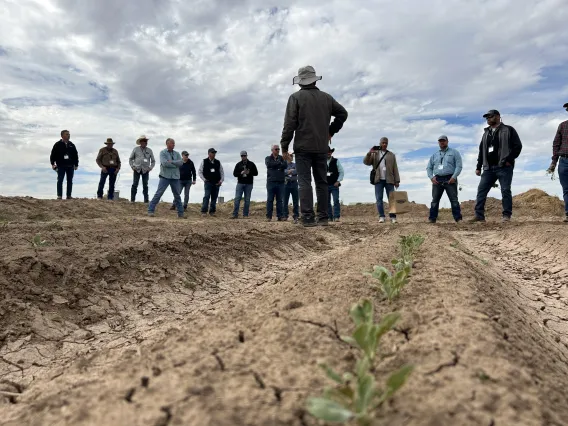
<point>341,172</point>
<point>166,159</point>
<point>480,156</point>
<point>459,164</point>
<point>253,170</point>
<point>201,172</point>
<point>269,163</point>
<point>53,156</point>
<point>118,163</point>
<point>368,159</point>
<point>340,115</point>
<point>430,168</point>
<point>290,123</point>
<point>222,173</point>
<point>131,158</point>
<point>192,171</point>
<point>516,146</point>
<point>556,146</point>
<point>152,160</point>
<point>178,162</point>
<point>395,171</point>
<point>99,159</point>
<point>76,157</point>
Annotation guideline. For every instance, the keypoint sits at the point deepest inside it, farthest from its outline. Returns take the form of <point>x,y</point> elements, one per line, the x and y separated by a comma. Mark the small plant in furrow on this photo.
<point>356,394</point>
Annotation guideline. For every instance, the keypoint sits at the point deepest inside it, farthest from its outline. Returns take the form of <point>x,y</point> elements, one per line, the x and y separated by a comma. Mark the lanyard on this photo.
<point>442,157</point>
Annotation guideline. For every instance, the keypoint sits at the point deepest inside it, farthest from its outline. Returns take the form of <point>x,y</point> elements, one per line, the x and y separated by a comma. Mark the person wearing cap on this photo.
<point>109,162</point>
<point>275,182</point>
<point>443,170</point>
<point>212,174</point>
<point>386,176</point>
<point>307,121</point>
<point>244,171</point>
<point>291,189</point>
<point>560,156</point>
<point>499,148</point>
<point>141,162</point>
<point>334,177</point>
<point>187,177</point>
<point>170,163</point>
<point>64,159</point>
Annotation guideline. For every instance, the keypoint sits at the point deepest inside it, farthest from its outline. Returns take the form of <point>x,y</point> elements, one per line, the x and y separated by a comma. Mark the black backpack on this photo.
<point>374,171</point>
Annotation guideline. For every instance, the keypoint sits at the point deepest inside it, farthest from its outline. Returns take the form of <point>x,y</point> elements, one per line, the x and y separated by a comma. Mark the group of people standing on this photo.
<point>307,122</point>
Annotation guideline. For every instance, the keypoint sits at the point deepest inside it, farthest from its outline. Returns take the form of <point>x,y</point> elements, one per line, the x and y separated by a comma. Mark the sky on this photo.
<point>219,73</point>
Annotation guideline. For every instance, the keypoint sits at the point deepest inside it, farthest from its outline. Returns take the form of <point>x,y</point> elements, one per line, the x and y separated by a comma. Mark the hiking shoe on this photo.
<point>381,220</point>
<point>203,214</point>
<point>432,220</point>
<point>245,217</point>
<point>336,219</point>
<point>182,217</point>
<point>459,220</point>
<point>184,208</point>
<point>323,222</point>
<point>69,198</point>
<point>233,217</point>
<point>477,219</point>
<point>566,218</point>
<point>212,214</point>
<point>393,220</point>
<point>151,214</point>
<point>59,198</point>
<point>506,219</point>
<point>172,207</point>
<point>269,219</point>
<point>296,220</point>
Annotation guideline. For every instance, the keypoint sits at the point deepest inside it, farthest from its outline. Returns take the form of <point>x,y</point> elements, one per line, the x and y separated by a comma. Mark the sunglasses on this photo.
<point>276,149</point>
<point>490,116</point>
<point>243,155</point>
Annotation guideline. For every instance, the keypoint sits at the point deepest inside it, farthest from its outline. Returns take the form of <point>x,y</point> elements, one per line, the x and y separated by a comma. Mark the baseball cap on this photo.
<point>491,112</point>
<point>442,138</point>
<point>211,150</point>
<point>184,153</point>
<point>243,153</point>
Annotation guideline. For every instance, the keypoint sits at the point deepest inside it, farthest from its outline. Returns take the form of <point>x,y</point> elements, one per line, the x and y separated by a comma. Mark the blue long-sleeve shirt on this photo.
<point>450,160</point>
<point>170,162</point>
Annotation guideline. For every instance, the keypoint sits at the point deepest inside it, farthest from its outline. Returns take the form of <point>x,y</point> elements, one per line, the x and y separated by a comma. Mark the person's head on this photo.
<point>493,117</point>
<point>65,135</point>
<point>170,144</point>
<point>142,141</point>
<point>566,106</point>
<point>244,156</point>
<point>330,151</point>
<point>306,76</point>
<point>275,150</point>
<point>384,143</point>
<point>109,143</point>
<point>211,153</point>
<point>443,142</point>
<point>185,156</point>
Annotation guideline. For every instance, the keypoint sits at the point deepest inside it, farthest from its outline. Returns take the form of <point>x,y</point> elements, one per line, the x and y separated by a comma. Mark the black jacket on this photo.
<point>253,171</point>
<point>187,171</point>
<point>307,118</point>
<point>509,147</point>
<point>275,169</point>
<point>60,150</point>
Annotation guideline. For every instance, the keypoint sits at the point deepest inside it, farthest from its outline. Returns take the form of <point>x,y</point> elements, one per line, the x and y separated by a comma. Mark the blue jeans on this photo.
<point>61,173</point>
<point>488,179</point>
<point>291,188</point>
<point>246,189</point>
<point>162,186</point>
<point>274,189</point>
<point>438,191</point>
<point>333,193</point>
<point>563,175</point>
<point>135,182</point>
<point>380,187</point>
<point>111,174</point>
<point>184,187</point>
<point>211,193</point>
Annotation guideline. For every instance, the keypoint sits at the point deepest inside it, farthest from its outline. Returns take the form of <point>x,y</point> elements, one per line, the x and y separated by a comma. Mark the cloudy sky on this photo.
<point>219,73</point>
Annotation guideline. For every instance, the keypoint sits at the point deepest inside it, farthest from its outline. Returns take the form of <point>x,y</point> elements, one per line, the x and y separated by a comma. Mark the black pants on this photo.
<point>306,164</point>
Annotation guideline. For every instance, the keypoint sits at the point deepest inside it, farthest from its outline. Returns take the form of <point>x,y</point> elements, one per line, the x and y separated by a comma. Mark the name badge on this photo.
<point>111,162</point>
<point>66,157</point>
<point>491,149</point>
<point>329,173</point>
<point>145,160</point>
<point>384,168</point>
<point>212,170</point>
<point>440,167</point>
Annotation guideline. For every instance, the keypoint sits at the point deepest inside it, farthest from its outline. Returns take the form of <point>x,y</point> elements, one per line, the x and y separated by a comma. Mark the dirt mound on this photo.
<point>538,202</point>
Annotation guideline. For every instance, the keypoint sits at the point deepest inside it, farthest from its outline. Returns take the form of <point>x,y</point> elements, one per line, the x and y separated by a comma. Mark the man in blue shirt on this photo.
<point>443,170</point>
<point>170,162</point>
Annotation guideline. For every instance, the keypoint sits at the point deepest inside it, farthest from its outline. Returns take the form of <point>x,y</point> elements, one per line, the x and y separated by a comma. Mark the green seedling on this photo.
<point>38,242</point>
<point>356,394</point>
<point>391,284</point>
<point>409,246</point>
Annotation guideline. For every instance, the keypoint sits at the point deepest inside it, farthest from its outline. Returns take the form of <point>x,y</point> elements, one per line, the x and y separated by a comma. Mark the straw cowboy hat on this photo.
<point>141,138</point>
<point>109,141</point>
<point>306,75</point>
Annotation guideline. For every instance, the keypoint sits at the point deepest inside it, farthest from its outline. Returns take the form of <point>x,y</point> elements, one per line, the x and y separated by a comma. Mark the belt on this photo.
<point>564,156</point>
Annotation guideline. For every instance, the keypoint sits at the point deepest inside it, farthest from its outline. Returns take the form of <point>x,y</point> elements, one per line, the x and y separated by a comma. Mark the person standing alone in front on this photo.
<point>212,174</point>
<point>275,182</point>
<point>386,177</point>
<point>443,170</point>
<point>560,155</point>
<point>334,178</point>
<point>109,162</point>
<point>64,159</point>
<point>307,121</point>
<point>499,147</point>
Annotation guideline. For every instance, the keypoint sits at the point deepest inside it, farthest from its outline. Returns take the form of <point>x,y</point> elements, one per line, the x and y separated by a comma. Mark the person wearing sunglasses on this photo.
<point>245,171</point>
<point>499,148</point>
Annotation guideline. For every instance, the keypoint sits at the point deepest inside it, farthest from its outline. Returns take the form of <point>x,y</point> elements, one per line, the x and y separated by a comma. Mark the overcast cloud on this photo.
<point>219,73</point>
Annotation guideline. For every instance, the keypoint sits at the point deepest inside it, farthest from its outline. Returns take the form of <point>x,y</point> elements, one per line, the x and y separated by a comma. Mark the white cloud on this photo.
<point>218,73</point>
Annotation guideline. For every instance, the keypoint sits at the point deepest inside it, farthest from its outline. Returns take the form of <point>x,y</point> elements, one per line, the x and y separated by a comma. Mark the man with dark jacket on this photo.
<point>64,159</point>
<point>109,162</point>
<point>245,171</point>
<point>499,147</point>
<point>560,151</point>
<point>275,183</point>
<point>335,175</point>
<point>212,174</point>
<point>307,121</point>
<point>187,177</point>
<point>291,189</point>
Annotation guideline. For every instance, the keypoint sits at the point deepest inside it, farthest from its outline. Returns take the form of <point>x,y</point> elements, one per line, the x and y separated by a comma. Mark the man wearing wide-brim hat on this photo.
<point>109,162</point>
<point>307,121</point>
<point>141,162</point>
<point>560,156</point>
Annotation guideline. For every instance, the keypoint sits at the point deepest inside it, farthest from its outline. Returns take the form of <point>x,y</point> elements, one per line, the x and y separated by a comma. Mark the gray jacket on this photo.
<point>142,160</point>
<point>308,114</point>
<point>392,175</point>
<point>510,147</point>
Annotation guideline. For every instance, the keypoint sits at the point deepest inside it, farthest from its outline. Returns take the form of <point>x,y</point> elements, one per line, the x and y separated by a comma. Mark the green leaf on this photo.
<point>368,310</point>
<point>328,410</point>
<point>338,396</point>
<point>331,374</point>
<point>350,340</point>
<point>360,335</point>
<point>395,261</point>
<point>357,313</point>
<point>396,380</point>
<point>362,367</point>
<point>365,390</point>
<point>387,323</point>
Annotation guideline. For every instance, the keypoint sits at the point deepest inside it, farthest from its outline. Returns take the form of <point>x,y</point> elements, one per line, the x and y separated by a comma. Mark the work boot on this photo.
<point>477,220</point>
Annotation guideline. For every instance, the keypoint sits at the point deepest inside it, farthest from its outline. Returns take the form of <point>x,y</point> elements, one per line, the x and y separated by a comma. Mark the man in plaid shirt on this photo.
<point>560,151</point>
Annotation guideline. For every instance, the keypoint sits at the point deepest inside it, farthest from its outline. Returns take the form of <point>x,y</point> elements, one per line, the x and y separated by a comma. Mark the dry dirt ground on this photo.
<point>108,317</point>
